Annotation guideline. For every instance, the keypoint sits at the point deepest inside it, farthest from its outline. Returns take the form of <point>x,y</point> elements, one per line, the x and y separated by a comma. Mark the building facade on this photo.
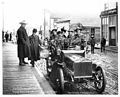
<point>88,31</point>
<point>109,25</point>
<point>95,31</point>
<point>63,23</point>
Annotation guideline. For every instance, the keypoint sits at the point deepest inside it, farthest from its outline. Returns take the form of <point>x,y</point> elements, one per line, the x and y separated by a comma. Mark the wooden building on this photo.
<point>109,25</point>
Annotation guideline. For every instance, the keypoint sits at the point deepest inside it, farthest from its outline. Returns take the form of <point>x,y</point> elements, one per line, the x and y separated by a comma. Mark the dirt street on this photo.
<point>108,61</point>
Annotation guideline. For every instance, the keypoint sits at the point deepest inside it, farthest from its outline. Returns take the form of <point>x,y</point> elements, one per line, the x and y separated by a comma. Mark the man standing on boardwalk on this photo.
<point>6,36</point>
<point>34,47</point>
<point>23,44</point>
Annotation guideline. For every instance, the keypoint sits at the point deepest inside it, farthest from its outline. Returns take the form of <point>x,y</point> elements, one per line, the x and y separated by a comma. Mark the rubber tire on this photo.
<point>100,90</point>
<point>61,80</point>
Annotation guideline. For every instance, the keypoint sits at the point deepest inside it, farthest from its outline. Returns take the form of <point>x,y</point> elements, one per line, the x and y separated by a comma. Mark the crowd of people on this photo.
<point>29,46</point>
<point>7,36</point>
<point>74,39</point>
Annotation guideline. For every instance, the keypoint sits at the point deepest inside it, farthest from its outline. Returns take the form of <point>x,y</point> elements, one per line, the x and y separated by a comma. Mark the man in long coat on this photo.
<point>35,47</point>
<point>92,42</point>
<point>6,36</point>
<point>23,44</point>
<point>103,43</point>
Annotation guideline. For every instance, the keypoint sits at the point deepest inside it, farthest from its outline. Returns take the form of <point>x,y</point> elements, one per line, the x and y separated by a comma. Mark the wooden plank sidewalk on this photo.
<point>17,79</point>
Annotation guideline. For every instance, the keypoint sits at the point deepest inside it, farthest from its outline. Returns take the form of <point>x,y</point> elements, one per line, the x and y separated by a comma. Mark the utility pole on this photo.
<point>44,24</point>
<point>3,15</point>
<point>3,21</point>
<point>117,22</point>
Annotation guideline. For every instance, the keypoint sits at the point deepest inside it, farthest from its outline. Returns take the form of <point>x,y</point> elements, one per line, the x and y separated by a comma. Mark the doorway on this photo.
<point>112,36</point>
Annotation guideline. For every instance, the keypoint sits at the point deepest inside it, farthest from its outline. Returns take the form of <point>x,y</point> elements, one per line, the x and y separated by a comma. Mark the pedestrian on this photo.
<point>92,42</point>
<point>3,36</point>
<point>82,44</point>
<point>11,36</point>
<point>87,47</point>
<point>23,44</point>
<point>34,47</point>
<point>6,36</point>
<point>103,43</point>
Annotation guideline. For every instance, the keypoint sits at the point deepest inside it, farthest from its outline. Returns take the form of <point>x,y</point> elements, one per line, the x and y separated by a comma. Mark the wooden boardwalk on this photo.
<point>18,79</point>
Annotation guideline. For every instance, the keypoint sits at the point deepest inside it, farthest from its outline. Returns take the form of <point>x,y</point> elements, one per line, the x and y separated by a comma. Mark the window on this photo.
<point>113,33</point>
<point>105,21</point>
<point>105,27</point>
<point>112,20</point>
<point>107,34</point>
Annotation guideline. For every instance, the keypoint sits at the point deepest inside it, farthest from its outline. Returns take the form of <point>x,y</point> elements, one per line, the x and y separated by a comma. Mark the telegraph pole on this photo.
<point>3,21</point>
<point>117,22</point>
<point>3,16</point>
<point>44,24</point>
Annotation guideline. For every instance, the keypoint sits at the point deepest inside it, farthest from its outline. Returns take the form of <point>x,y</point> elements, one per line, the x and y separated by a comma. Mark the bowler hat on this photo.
<point>23,22</point>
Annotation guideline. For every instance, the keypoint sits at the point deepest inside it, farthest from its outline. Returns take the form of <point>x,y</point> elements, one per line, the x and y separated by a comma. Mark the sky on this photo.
<point>33,10</point>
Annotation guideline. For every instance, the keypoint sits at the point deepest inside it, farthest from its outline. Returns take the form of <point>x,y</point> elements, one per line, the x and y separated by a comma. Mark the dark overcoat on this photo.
<point>92,42</point>
<point>23,43</point>
<point>34,46</point>
<point>103,42</point>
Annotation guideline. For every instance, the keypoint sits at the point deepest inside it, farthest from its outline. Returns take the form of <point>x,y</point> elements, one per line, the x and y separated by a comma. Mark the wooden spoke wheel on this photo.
<point>60,80</point>
<point>99,82</point>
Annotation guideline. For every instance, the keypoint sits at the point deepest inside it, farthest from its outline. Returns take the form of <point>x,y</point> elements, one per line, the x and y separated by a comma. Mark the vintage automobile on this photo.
<point>71,66</point>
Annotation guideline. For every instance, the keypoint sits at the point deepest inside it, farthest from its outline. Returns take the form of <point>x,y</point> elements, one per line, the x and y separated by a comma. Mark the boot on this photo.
<point>32,62</point>
<point>21,62</point>
<point>24,61</point>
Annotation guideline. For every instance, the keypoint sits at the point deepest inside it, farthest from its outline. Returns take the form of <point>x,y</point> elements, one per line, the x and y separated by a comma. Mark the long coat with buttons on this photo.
<point>35,47</point>
<point>23,43</point>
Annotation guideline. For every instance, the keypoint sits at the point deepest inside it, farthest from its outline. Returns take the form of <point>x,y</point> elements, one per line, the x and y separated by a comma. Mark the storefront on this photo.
<point>109,26</point>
